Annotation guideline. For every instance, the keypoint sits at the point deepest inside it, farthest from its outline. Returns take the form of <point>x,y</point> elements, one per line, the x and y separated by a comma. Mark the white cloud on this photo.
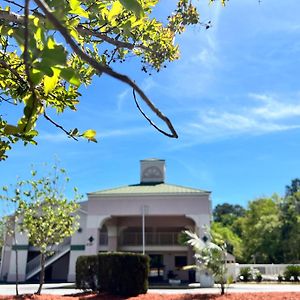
<point>275,109</point>
<point>266,116</point>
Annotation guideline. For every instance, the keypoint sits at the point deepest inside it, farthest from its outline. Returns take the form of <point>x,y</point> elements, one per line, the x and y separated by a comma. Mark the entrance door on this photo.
<point>156,268</point>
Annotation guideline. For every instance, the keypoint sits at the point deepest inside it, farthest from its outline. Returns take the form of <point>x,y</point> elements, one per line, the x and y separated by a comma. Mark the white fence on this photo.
<point>270,271</point>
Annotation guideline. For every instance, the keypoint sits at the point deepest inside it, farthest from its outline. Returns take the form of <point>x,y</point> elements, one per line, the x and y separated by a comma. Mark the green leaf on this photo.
<point>77,9</point>
<point>90,134</point>
<point>115,10</point>
<point>36,76</point>
<point>10,129</point>
<point>134,6</point>
<point>50,82</point>
<point>70,75</point>
<point>54,56</point>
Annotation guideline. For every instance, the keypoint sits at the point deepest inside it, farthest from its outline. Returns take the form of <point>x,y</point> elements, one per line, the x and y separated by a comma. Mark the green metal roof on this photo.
<point>150,188</point>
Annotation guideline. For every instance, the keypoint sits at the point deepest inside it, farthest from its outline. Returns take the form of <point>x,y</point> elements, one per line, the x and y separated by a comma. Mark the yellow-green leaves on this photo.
<point>134,6</point>
<point>90,135</point>
<point>50,82</point>
<point>116,8</point>
<point>77,9</point>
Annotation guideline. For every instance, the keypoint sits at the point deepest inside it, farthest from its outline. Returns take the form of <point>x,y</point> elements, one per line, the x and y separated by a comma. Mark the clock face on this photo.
<point>152,172</point>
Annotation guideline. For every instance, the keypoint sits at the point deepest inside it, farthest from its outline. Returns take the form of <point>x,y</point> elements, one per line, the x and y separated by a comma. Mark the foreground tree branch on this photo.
<point>104,69</point>
<point>39,73</point>
<point>82,29</point>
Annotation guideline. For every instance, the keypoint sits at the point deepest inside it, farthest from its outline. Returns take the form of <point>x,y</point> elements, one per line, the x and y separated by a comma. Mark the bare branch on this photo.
<point>11,17</point>
<point>14,3</point>
<point>102,68</point>
<point>149,120</point>
<point>59,126</point>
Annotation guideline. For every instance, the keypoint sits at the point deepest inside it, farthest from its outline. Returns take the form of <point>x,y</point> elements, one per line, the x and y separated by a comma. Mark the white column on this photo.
<point>92,231</point>
<point>72,264</point>
<point>22,252</point>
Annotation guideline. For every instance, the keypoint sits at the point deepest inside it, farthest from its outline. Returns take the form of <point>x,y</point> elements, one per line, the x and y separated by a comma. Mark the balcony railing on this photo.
<point>151,239</point>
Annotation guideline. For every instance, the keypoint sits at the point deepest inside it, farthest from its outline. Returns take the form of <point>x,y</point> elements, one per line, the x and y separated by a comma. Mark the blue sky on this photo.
<point>233,98</point>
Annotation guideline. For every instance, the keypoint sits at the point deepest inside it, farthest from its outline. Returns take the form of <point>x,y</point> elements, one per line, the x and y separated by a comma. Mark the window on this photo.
<point>180,261</point>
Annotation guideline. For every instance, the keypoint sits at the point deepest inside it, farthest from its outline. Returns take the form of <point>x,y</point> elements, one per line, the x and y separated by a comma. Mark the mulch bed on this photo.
<point>150,296</point>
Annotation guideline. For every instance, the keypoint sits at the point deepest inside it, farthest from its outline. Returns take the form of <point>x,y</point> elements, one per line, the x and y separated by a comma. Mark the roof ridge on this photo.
<point>145,188</point>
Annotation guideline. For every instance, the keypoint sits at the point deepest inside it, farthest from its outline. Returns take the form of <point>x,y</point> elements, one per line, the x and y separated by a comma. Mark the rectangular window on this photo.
<point>180,261</point>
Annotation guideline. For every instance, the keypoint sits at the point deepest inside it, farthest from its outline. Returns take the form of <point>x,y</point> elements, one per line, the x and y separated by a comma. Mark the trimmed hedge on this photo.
<point>86,272</point>
<point>117,273</point>
<point>122,273</point>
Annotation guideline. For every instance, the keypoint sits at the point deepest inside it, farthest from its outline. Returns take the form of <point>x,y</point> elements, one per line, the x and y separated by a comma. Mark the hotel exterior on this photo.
<point>145,217</point>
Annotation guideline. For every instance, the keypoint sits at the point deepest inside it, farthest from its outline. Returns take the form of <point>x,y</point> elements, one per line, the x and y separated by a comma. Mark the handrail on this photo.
<point>57,249</point>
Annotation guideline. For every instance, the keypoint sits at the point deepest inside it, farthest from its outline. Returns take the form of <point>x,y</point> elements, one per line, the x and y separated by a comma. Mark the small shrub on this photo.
<point>280,278</point>
<point>258,277</point>
<point>124,274</point>
<point>245,274</point>
<point>292,272</point>
<point>86,272</point>
<point>230,280</point>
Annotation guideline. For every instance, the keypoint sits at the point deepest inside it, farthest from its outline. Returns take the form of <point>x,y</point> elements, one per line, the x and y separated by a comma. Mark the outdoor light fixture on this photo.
<point>91,239</point>
<point>205,239</point>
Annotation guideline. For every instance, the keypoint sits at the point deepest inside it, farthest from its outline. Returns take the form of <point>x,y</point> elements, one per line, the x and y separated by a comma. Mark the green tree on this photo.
<point>233,242</point>
<point>9,222</point>
<point>293,188</point>
<point>45,215</point>
<point>227,213</point>
<point>38,72</point>
<point>289,216</point>
<point>261,231</point>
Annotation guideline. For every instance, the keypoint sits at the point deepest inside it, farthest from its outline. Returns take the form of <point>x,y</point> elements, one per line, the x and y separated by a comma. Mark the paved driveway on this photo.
<point>67,288</point>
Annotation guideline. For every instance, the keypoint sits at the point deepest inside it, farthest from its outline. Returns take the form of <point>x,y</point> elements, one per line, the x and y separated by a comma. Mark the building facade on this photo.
<point>145,217</point>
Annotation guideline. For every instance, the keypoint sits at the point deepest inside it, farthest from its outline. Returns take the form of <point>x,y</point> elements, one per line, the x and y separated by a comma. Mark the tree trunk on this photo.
<point>222,289</point>
<point>42,273</point>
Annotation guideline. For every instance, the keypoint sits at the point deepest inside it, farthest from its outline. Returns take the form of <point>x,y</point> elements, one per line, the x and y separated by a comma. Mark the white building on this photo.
<point>148,216</point>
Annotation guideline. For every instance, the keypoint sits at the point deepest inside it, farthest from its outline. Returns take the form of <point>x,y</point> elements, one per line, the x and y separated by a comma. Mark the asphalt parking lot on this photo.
<point>68,288</point>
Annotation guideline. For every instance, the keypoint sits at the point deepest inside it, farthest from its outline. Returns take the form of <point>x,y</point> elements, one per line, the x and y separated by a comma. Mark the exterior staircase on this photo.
<point>33,267</point>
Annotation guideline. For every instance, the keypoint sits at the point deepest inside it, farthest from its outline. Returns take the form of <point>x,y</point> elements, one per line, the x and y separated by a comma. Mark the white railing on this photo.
<point>267,269</point>
<point>151,239</point>
<point>34,263</point>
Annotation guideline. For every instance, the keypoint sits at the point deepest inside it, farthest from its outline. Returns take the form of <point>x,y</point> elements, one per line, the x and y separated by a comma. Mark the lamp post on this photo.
<point>144,211</point>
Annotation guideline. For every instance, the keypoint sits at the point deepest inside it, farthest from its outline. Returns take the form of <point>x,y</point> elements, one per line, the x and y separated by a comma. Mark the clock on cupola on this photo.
<point>152,171</point>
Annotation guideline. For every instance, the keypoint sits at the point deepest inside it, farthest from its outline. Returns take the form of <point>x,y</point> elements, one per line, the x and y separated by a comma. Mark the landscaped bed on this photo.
<point>150,296</point>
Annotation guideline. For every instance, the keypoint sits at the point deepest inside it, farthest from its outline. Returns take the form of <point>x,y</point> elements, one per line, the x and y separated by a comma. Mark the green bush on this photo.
<point>258,277</point>
<point>86,272</point>
<point>245,274</point>
<point>123,274</point>
<point>292,272</point>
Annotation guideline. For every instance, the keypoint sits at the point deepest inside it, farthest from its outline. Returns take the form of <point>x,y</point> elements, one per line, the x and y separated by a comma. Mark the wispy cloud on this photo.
<point>123,132</point>
<point>265,114</point>
<point>274,108</point>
